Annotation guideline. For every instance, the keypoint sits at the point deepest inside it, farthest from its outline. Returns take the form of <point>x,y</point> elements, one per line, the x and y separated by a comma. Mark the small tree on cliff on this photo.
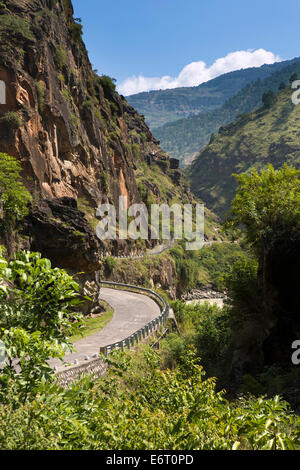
<point>14,198</point>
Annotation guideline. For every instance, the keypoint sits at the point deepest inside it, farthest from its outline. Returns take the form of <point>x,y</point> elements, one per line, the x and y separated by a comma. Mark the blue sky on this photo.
<point>146,39</point>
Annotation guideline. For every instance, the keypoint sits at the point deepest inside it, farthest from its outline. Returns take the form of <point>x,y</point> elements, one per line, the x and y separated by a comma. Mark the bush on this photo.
<point>109,264</point>
<point>76,32</point>
<point>12,120</point>
<point>145,409</point>
<point>41,91</point>
<point>269,99</point>
<point>104,182</point>
<point>107,83</point>
<point>14,198</point>
<point>13,26</point>
<point>242,288</point>
<point>37,307</point>
<point>61,57</point>
<point>207,328</point>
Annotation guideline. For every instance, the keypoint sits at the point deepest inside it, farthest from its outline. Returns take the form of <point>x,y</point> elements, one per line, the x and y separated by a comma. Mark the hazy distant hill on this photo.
<point>184,138</point>
<point>163,106</point>
<point>254,140</point>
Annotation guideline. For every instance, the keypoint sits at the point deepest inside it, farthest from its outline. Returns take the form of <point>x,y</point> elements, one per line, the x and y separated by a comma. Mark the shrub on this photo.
<point>61,57</point>
<point>36,311</point>
<point>14,198</point>
<point>136,150</point>
<point>76,32</point>
<point>269,99</point>
<point>12,120</point>
<point>107,83</point>
<point>242,288</point>
<point>104,182</point>
<point>109,264</point>
<point>14,26</point>
<point>41,91</point>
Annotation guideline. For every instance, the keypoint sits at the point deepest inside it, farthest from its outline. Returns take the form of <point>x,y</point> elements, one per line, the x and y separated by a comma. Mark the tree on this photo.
<point>242,288</point>
<point>108,83</point>
<point>269,99</point>
<point>293,77</point>
<point>281,86</point>
<point>14,198</point>
<point>267,205</point>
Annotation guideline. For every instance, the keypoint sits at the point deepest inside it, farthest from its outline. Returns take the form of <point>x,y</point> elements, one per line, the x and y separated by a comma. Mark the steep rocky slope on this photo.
<point>268,135</point>
<point>79,142</point>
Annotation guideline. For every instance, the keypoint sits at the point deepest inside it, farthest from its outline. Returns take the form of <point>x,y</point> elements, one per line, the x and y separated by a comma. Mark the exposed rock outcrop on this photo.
<point>76,138</point>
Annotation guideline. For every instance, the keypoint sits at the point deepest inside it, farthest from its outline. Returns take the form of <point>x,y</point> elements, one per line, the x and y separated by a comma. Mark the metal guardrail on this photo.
<point>146,330</point>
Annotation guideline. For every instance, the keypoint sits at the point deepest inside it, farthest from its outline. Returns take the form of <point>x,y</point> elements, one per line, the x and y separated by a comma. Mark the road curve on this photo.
<point>131,312</point>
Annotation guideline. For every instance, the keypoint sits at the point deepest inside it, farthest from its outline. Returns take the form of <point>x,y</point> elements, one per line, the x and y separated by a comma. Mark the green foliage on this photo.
<point>205,327</point>
<point>267,205</point>
<point>37,306</point>
<point>109,264</point>
<point>61,57</point>
<point>43,297</point>
<point>14,27</point>
<point>206,266</point>
<point>269,99</point>
<point>107,83</point>
<point>136,150</point>
<point>41,91</point>
<point>186,267</point>
<point>12,120</point>
<point>139,407</point>
<point>14,197</point>
<point>104,179</point>
<point>293,77</point>
<point>142,191</point>
<point>76,32</point>
<point>242,288</point>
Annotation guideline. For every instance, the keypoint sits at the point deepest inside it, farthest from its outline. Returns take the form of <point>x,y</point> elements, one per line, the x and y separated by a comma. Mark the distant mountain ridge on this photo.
<point>164,106</point>
<point>267,135</point>
<point>184,138</point>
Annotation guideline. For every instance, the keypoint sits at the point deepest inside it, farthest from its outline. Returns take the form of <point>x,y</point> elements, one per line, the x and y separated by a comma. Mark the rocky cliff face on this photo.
<point>79,142</point>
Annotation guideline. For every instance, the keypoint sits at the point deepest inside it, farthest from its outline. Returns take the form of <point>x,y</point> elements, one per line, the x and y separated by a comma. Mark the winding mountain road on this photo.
<point>131,312</point>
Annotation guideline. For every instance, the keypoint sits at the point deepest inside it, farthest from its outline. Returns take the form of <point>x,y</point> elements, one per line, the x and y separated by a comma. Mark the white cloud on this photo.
<point>196,73</point>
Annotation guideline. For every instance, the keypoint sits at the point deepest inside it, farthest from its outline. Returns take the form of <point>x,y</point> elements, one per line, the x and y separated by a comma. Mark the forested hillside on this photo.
<point>268,135</point>
<point>163,106</point>
<point>184,138</point>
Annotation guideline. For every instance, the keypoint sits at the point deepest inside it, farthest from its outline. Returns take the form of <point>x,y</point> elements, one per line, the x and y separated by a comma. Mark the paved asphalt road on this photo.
<point>131,312</point>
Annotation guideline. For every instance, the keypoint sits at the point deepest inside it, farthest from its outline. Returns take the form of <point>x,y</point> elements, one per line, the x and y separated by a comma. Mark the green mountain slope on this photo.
<point>254,140</point>
<point>163,106</point>
<point>183,139</point>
